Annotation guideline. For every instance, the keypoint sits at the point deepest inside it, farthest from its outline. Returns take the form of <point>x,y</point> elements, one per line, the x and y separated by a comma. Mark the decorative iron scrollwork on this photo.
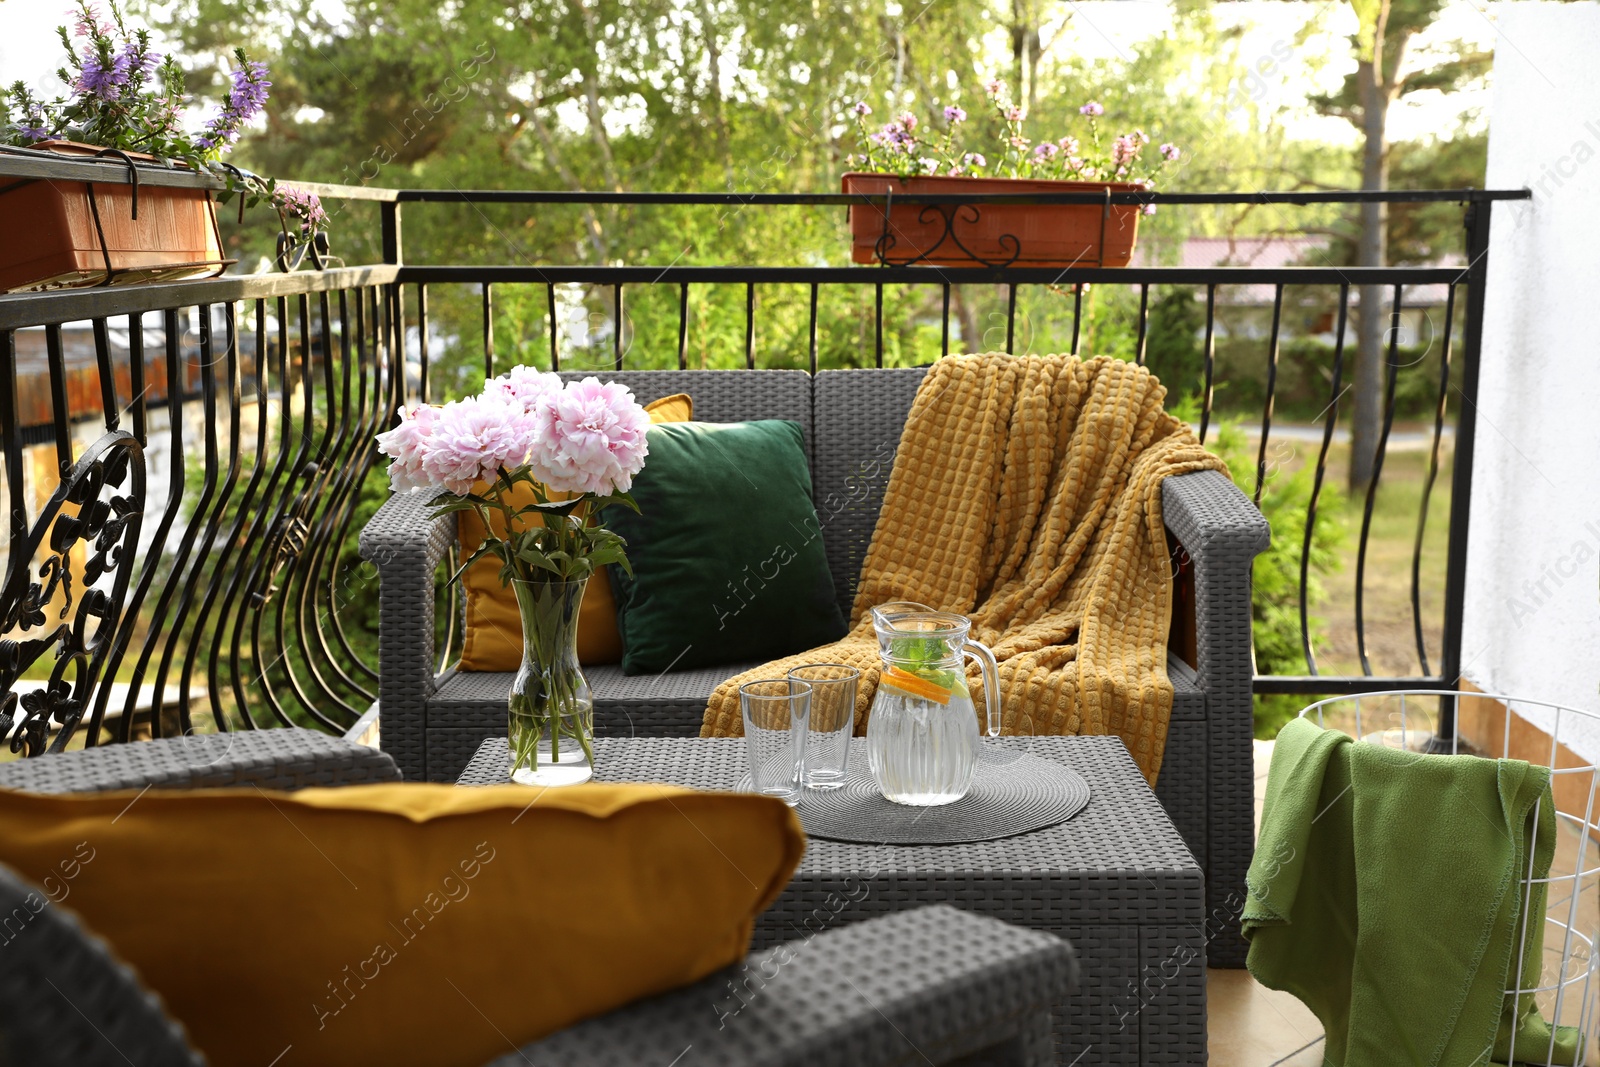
<point>949,214</point>
<point>106,493</point>
<point>286,540</point>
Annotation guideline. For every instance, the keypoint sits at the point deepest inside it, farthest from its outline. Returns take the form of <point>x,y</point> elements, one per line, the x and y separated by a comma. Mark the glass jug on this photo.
<point>922,736</point>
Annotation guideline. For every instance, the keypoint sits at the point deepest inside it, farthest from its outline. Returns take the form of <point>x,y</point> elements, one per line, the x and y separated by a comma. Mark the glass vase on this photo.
<point>550,713</point>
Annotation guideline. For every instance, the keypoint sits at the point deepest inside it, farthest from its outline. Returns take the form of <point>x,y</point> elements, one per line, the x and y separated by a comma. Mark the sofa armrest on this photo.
<point>406,542</point>
<point>1221,532</point>
<point>67,1001</point>
<point>930,985</point>
<point>287,759</point>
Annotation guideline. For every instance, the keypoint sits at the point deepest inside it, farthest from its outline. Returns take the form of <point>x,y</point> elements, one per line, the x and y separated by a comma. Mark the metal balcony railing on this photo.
<point>184,463</point>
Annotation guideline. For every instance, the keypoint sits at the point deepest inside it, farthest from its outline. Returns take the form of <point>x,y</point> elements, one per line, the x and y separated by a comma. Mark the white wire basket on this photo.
<point>1568,991</point>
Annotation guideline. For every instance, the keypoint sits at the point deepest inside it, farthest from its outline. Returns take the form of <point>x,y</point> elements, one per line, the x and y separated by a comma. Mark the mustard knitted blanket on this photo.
<point>1026,494</point>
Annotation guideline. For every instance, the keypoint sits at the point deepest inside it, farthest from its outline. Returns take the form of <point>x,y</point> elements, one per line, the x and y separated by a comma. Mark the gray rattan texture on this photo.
<point>272,759</point>
<point>1222,532</point>
<point>1206,776</point>
<point>66,1001</point>
<point>959,983</point>
<point>926,986</point>
<point>1012,793</point>
<point>1115,880</point>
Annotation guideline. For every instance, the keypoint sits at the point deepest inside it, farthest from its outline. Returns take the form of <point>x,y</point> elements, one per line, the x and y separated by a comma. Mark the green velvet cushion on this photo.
<point>727,551</point>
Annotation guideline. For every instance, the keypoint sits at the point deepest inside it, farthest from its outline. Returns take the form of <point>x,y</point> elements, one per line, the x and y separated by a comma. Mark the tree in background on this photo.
<point>1383,76</point>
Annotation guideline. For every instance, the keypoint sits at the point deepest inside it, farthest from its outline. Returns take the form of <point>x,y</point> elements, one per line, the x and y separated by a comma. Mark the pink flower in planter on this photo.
<point>994,87</point>
<point>1013,114</point>
<point>1069,145</point>
<point>1170,152</point>
<point>475,439</point>
<point>862,108</point>
<point>1093,109</point>
<point>406,444</point>
<point>953,114</point>
<point>589,438</point>
<point>975,159</point>
<point>1047,150</point>
<point>908,120</point>
<point>1123,151</point>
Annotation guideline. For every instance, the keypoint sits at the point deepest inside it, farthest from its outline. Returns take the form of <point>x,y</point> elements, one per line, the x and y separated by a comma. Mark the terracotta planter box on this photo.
<point>52,239</point>
<point>968,235</point>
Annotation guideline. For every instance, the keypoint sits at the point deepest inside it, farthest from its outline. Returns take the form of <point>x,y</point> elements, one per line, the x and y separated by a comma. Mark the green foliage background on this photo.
<point>752,96</point>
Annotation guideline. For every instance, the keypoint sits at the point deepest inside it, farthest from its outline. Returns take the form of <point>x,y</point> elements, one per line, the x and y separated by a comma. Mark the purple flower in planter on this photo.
<point>89,24</point>
<point>140,62</point>
<point>249,94</point>
<point>244,102</point>
<point>1046,150</point>
<point>1170,152</point>
<point>953,114</point>
<point>97,79</point>
<point>975,159</point>
<point>1092,109</point>
<point>33,127</point>
<point>1069,145</point>
<point>862,108</point>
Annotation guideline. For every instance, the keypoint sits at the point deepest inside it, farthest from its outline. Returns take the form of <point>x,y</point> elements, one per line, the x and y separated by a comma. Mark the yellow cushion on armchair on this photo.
<point>405,923</point>
<point>492,637</point>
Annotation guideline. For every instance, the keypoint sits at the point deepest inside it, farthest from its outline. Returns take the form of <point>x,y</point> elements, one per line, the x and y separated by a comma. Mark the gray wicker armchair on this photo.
<point>933,985</point>
<point>852,419</point>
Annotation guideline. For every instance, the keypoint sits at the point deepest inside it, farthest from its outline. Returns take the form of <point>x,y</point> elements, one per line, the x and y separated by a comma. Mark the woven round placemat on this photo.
<point>1012,793</point>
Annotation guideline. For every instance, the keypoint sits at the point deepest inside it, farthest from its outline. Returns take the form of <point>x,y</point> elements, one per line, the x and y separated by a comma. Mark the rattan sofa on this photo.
<point>934,985</point>
<point>852,420</point>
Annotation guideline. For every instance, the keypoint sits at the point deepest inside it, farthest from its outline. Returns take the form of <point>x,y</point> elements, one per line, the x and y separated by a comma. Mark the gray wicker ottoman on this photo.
<point>1115,880</point>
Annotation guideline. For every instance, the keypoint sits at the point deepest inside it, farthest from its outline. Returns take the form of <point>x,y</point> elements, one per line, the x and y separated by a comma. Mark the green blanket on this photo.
<point>1385,894</point>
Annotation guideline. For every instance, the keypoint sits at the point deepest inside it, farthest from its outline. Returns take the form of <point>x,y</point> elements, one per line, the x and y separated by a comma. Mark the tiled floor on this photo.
<point>1248,1024</point>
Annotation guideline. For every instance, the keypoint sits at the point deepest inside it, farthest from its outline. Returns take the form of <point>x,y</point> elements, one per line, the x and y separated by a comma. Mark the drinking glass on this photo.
<point>777,713</point>
<point>833,720</point>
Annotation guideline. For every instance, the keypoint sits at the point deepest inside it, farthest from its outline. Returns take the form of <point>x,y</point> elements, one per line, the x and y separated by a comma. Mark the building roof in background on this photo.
<point>1272,251</point>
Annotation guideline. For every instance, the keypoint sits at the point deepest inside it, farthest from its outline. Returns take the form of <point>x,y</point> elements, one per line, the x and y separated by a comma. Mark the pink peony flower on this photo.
<point>589,438</point>
<point>522,386</point>
<point>407,445</point>
<point>473,439</point>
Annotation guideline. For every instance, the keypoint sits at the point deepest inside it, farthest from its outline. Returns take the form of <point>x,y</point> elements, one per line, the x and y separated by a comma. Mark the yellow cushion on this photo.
<point>492,638</point>
<point>413,923</point>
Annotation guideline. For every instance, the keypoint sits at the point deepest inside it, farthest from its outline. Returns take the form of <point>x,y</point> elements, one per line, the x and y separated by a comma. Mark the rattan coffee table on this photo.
<point>1115,880</point>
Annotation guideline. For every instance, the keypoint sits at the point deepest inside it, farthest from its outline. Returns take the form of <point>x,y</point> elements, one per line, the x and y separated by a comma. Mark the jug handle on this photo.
<point>991,681</point>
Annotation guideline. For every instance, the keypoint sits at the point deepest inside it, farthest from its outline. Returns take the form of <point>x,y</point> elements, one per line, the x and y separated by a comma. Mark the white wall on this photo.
<point>1533,573</point>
